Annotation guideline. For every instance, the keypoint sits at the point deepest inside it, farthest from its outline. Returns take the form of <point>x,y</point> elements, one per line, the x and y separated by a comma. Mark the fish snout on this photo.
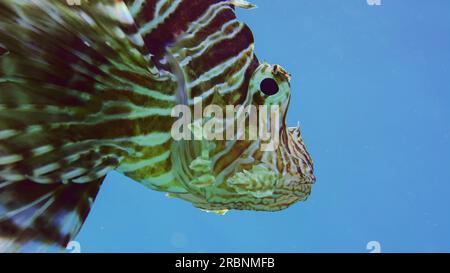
<point>300,163</point>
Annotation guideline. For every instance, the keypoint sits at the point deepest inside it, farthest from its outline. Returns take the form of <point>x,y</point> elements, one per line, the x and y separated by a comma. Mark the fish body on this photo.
<point>90,88</point>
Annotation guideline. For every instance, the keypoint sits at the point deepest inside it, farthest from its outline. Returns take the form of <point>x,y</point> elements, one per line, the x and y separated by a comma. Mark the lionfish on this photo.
<point>87,87</point>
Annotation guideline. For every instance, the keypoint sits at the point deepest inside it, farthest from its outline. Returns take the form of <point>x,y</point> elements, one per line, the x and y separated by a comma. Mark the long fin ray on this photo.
<point>36,217</point>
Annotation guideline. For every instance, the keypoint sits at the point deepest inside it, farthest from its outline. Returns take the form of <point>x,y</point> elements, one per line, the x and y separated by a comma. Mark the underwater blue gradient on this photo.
<point>371,89</point>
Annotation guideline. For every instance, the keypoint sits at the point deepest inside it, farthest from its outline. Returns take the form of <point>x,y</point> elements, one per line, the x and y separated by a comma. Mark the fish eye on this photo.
<point>269,86</point>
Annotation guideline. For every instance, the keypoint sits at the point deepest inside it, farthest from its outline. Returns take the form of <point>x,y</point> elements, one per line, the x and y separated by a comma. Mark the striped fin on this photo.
<point>213,49</point>
<point>37,218</point>
<point>72,85</point>
<point>76,83</point>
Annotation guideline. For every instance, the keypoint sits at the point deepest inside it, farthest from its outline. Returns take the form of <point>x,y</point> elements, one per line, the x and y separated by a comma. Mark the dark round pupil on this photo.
<point>269,86</point>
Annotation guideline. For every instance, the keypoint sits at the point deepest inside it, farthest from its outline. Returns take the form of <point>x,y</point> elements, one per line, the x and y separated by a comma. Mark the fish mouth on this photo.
<point>297,160</point>
<point>295,185</point>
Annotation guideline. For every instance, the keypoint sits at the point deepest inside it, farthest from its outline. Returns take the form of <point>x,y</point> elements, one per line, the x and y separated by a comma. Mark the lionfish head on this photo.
<point>281,169</point>
<point>262,174</point>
